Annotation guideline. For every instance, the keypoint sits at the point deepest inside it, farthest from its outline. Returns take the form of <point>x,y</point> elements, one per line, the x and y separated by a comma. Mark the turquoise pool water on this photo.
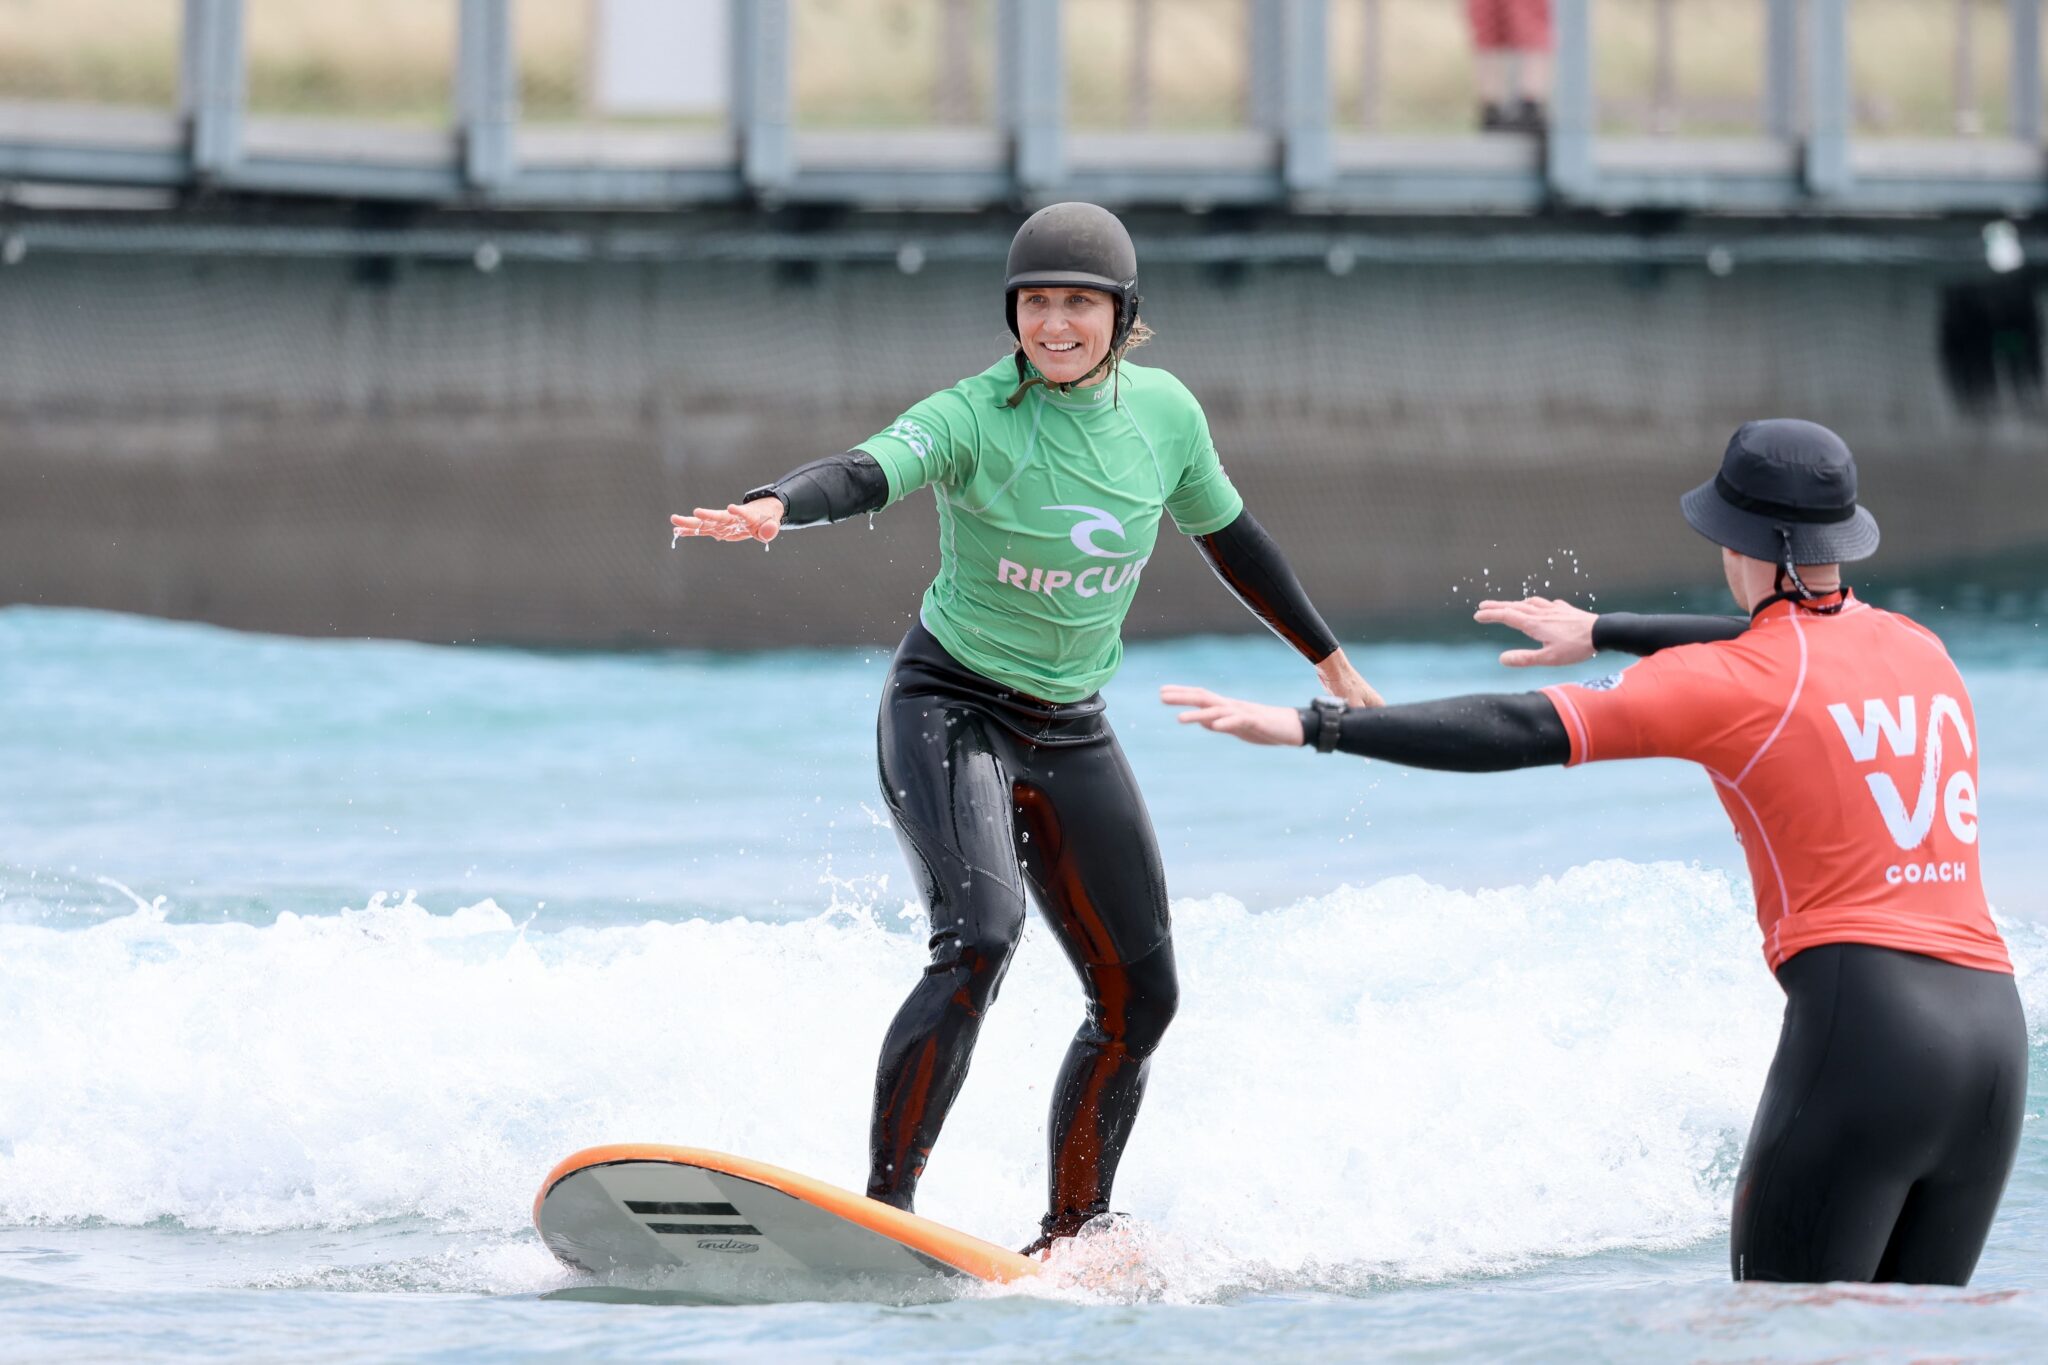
<point>314,957</point>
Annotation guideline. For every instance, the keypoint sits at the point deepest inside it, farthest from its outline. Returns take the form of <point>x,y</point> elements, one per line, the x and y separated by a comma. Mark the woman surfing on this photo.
<point>1053,469</point>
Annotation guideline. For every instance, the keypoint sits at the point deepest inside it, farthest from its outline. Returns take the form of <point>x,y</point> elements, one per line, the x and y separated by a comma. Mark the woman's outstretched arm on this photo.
<point>831,489</point>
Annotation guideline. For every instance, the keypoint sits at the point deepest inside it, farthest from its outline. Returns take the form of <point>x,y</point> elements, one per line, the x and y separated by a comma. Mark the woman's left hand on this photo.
<point>1251,721</point>
<point>1346,683</point>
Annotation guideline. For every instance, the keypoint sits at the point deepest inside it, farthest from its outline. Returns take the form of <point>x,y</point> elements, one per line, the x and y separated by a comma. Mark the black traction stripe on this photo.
<point>705,1229</point>
<point>665,1206</point>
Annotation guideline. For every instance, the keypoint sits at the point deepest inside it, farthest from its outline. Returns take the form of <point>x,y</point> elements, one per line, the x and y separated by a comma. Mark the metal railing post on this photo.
<point>762,105</point>
<point>1034,89</point>
<point>1304,70</point>
<point>1968,118</point>
<point>212,88</point>
<point>1664,72</point>
<point>1828,107</point>
<point>486,92</point>
<point>1139,102</point>
<point>954,92</point>
<point>2025,16</point>
<point>1264,92</point>
<point>1369,59</point>
<point>1569,157</point>
<point>1781,68</point>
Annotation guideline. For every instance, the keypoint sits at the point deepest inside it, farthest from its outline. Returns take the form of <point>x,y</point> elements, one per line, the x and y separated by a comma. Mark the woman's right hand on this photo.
<point>759,520</point>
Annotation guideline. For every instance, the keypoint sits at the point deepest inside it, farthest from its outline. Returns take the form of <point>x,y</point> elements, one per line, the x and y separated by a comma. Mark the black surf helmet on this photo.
<point>1077,245</point>
<point>1786,494</point>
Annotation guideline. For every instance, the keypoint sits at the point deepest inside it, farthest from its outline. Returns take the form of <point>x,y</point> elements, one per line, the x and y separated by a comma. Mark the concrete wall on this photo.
<point>430,451</point>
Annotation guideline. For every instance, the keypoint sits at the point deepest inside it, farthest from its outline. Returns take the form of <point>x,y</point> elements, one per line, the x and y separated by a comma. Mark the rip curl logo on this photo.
<point>1606,684</point>
<point>1957,798</point>
<point>916,437</point>
<point>1092,582</point>
<point>1083,534</point>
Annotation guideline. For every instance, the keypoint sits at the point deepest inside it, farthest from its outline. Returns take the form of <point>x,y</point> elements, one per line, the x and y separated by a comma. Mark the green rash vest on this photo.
<point>1048,512</point>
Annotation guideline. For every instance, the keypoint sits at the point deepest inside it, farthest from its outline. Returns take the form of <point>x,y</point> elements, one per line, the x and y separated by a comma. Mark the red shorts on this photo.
<point>1512,25</point>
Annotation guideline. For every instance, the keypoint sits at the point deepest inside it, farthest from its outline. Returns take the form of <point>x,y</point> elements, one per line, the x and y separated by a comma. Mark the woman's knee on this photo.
<point>977,945</point>
<point>1136,1002</point>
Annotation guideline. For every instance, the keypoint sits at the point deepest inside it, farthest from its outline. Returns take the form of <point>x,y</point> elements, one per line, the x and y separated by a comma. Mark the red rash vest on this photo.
<point>1844,748</point>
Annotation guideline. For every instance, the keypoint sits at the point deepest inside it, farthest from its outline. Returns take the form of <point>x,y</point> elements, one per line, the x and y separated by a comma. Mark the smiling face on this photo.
<point>1065,331</point>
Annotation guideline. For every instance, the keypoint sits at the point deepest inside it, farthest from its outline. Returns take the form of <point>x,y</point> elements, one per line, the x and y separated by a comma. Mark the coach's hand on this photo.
<point>1564,632</point>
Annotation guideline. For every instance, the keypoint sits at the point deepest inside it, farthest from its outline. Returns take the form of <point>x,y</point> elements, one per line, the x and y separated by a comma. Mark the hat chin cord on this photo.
<point>1798,594</point>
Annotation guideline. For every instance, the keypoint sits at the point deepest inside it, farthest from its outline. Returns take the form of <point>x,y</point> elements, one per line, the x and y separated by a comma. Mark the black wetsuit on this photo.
<point>1889,1123</point>
<point>992,792</point>
<point>1891,1116</point>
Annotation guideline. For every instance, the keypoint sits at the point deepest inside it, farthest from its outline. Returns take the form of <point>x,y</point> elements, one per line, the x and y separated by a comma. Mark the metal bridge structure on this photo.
<point>1292,155</point>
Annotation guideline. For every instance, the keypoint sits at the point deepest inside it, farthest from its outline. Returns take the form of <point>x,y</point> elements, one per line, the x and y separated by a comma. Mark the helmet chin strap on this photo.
<point>1025,379</point>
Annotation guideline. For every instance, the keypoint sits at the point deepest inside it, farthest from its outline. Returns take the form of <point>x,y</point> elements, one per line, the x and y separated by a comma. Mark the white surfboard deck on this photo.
<point>691,1225</point>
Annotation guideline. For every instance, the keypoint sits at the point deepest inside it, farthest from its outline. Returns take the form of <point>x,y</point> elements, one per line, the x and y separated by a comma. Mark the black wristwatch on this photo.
<point>1319,723</point>
<point>765,491</point>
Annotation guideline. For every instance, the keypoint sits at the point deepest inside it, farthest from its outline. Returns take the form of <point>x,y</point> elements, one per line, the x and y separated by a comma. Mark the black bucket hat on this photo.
<point>1786,494</point>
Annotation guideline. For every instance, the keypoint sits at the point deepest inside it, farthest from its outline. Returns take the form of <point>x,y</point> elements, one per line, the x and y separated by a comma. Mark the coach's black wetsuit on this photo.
<point>1889,1123</point>
<point>1891,1117</point>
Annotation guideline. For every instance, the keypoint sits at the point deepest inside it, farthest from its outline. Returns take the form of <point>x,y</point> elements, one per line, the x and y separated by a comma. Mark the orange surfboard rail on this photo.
<point>967,1254</point>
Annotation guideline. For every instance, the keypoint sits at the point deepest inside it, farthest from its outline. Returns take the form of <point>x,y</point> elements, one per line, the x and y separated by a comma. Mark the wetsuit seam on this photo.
<point>1158,473</point>
<point>947,554</point>
<point>1771,852</point>
<point>1784,717</point>
<point>1926,636</point>
<point>1575,724</point>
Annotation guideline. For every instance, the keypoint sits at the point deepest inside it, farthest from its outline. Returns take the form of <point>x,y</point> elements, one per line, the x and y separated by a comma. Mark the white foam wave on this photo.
<point>1397,1082</point>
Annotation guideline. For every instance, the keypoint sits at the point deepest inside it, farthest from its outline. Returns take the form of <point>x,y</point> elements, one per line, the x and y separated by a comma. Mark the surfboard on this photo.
<point>698,1226</point>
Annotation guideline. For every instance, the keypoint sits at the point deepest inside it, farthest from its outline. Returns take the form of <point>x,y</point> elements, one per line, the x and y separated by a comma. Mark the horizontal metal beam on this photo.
<point>1336,248</point>
<point>1447,175</point>
<point>70,164</point>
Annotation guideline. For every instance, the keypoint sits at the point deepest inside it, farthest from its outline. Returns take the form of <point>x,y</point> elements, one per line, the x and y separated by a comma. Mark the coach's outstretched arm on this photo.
<point>1565,634</point>
<point>1481,733</point>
